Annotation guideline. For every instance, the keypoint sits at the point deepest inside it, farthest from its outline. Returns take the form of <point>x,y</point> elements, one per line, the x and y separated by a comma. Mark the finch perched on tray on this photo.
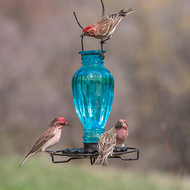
<point>106,145</point>
<point>49,138</point>
<point>123,132</point>
<point>107,141</point>
<point>105,26</point>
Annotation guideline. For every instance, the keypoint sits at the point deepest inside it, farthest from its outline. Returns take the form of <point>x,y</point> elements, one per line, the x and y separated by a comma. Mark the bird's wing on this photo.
<point>107,23</point>
<point>47,135</point>
<point>106,142</point>
<point>114,21</point>
<point>103,25</point>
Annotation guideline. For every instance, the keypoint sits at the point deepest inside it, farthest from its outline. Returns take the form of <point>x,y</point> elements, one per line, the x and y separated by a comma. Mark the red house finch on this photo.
<point>106,145</point>
<point>49,138</point>
<point>105,26</point>
<point>122,134</point>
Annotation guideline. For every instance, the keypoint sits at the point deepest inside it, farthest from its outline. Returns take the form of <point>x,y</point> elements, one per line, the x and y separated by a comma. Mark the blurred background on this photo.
<point>148,55</point>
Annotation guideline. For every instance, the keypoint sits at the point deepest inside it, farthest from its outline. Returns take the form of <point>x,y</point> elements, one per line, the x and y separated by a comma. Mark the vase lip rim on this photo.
<point>89,52</point>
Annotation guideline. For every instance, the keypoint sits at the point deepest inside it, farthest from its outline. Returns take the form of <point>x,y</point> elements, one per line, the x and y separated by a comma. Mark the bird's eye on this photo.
<point>88,32</point>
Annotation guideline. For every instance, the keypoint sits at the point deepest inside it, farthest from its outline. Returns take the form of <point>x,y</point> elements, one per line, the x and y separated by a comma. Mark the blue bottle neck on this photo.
<point>91,57</point>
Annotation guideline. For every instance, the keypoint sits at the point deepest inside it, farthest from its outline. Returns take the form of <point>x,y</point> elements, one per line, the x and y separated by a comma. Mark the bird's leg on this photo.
<point>102,49</point>
<point>104,41</point>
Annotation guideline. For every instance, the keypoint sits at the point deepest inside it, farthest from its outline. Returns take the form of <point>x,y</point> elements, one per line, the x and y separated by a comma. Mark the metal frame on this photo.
<point>82,154</point>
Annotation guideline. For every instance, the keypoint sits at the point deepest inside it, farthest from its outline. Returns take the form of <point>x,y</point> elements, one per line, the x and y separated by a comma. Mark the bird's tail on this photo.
<point>124,13</point>
<point>28,156</point>
<point>101,161</point>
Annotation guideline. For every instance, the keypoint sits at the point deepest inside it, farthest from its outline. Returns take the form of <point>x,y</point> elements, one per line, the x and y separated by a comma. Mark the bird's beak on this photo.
<point>83,34</point>
<point>66,124</point>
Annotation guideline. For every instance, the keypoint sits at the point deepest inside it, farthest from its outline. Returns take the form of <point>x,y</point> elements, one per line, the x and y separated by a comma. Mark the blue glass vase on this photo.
<point>93,90</point>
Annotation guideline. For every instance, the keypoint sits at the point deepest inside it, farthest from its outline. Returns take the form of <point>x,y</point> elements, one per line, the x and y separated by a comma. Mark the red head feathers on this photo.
<point>86,29</point>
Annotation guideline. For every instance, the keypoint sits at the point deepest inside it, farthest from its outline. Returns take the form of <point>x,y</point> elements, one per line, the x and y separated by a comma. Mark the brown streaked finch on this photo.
<point>106,145</point>
<point>105,26</point>
<point>49,138</point>
<point>122,129</point>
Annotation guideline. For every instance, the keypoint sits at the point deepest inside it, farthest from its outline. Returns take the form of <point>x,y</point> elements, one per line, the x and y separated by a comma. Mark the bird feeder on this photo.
<point>93,91</point>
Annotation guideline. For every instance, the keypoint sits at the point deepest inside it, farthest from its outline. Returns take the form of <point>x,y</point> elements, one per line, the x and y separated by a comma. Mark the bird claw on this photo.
<point>50,152</point>
<point>102,55</point>
<point>102,42</point>
<point>102,51</point>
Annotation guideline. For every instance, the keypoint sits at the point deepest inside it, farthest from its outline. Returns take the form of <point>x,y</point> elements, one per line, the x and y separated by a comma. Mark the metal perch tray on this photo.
<point>81,153</point>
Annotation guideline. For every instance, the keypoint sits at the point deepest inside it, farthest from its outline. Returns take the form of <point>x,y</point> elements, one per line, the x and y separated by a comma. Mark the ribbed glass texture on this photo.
<point>93,90</point>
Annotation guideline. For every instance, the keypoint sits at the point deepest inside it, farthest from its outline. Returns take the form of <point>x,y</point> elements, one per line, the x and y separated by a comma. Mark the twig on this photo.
<point>77,20</point>
<point>103,9</point>
<point>82,29</point>
<point>82,43</point>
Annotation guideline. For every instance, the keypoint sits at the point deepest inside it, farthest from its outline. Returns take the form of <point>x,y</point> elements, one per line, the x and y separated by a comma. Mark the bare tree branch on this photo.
<point>103,8</point>
<point>77,20</point>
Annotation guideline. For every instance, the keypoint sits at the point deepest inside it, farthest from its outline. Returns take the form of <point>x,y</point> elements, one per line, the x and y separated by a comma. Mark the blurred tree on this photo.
<point>148,56</point>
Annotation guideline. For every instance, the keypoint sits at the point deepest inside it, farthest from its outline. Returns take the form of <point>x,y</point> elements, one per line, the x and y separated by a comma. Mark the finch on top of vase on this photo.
<point>105,26</point>
<point>49,138</point>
